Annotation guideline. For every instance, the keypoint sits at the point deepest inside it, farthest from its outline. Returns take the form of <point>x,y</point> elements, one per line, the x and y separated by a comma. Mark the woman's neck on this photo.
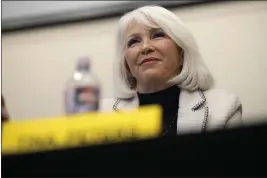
<point>151,87</point>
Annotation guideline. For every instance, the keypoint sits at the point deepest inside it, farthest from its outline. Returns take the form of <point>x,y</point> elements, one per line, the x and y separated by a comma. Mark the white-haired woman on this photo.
<point>159,63</point>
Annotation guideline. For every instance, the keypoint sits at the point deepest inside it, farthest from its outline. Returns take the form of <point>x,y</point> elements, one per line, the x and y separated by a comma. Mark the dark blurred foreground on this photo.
<point>236,152</point>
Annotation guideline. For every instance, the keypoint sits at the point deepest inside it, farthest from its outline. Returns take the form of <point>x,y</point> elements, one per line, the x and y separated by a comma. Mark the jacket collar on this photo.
<point>192,113</point>
<point>188,100</point>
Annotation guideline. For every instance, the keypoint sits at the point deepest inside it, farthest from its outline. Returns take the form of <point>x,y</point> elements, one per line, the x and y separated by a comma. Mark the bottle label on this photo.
<point>82,99</point>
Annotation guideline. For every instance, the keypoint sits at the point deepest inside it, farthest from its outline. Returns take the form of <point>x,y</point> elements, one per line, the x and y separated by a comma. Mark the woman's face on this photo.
<point>151,54</point>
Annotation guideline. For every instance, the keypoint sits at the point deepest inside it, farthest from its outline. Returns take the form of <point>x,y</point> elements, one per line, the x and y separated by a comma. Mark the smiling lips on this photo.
<point>150,59</point>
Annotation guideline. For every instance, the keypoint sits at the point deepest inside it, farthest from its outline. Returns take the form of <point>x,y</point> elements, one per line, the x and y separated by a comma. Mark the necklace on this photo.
<point>170,125</point>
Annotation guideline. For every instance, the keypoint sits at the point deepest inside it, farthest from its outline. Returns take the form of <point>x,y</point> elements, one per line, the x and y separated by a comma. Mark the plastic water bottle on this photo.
<point>82,92</point>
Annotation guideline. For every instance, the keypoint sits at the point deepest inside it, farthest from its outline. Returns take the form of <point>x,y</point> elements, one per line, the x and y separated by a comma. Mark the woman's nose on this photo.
<point>147,47</point>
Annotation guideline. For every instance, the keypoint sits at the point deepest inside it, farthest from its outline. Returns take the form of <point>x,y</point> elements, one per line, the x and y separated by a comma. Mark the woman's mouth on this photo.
<point>149,60</point>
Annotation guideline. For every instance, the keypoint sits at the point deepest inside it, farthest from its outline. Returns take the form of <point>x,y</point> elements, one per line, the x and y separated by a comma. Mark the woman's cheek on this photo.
<point>131,57</point>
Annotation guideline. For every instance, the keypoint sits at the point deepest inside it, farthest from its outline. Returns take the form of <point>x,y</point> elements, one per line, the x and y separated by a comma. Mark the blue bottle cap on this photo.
<point>83,63</point>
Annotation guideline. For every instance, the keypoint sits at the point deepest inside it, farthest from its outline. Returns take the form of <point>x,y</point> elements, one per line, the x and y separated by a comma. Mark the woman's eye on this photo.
<point>131,42</point>
<point>158,35</point>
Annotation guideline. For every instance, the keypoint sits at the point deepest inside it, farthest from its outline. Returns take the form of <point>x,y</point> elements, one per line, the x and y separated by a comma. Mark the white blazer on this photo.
<point>198,111</point>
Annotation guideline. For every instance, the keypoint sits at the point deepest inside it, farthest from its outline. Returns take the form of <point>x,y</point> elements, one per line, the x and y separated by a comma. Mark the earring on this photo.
<point>182,57</point>
<point>132,82</point>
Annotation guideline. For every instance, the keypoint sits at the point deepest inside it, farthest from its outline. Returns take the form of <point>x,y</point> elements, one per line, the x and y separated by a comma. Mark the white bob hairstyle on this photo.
<point>194,74</point>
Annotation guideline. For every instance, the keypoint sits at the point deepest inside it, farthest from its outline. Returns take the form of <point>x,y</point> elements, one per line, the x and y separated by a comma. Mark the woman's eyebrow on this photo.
<point>133,35</point>
<point>151,30</point>
<point>155,29</point>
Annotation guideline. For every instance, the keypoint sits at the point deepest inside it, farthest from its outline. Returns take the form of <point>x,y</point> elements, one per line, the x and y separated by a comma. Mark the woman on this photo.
<point>159,63</point>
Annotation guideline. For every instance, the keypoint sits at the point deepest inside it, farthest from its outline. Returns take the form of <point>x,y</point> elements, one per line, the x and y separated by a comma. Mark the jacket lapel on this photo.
<point>126,104</point>
<point>192,112</point>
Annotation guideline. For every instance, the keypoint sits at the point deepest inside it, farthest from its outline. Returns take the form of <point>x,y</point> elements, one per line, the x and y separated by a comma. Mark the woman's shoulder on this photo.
<point>214,96</point>
<point>222,102</point>
<point>222,95</point>
<point>106,104</point>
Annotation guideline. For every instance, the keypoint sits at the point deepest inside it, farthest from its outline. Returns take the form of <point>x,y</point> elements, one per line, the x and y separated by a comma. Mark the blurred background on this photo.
<point>41,40</point>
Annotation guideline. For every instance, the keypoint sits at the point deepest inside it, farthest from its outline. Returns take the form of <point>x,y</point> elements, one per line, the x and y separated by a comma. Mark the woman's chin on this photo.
<point>152,74</point>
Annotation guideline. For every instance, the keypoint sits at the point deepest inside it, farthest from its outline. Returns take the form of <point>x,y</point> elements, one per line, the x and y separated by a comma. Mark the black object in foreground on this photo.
<point>236,152</point>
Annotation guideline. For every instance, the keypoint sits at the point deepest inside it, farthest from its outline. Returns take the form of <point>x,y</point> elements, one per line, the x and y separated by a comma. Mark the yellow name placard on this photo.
<point>80,129</point>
